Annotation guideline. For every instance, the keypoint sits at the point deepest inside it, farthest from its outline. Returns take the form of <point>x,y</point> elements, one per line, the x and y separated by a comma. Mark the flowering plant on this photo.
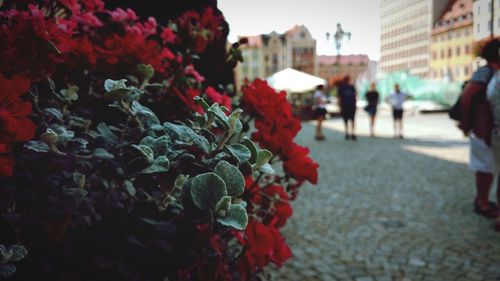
<point>121,156</point>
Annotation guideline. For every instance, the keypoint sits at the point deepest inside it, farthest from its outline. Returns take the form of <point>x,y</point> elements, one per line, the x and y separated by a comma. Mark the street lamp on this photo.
<point>338,37</point>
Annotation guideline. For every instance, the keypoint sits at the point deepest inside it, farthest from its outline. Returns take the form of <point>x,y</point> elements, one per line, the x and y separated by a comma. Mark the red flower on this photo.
<point>264,244</point>
<point>168,36</point>
<point>14,122</point>
<point>6,164</point>
<point>216,97</point>
<point>300,166</point>
<point>14,112</point>
<point>282,209</point>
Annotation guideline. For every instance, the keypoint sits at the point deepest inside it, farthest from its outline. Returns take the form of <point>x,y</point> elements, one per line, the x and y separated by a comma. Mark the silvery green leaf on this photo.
<point>160,165</point>
<point>19,252</point>
<point>187,135</point>
<point>263,157</point>
<point>267,169</point>
<point>253,150</point>
<point>223,205</point>
<point>54,113</point>
<point>146,151</point>
<point>236,217</point>
<point>207,190</point>
<point>106,133</point>
<point>240,151</point>
<point>37,146</point>
<point>116,89</point>
<point>235,183</point>
<point>129,188</point>
<point>102,153</point>
<point>146,115</point>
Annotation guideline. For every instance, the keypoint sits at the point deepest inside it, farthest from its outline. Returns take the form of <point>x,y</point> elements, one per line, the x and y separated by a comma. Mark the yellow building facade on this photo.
<point>452,56</point>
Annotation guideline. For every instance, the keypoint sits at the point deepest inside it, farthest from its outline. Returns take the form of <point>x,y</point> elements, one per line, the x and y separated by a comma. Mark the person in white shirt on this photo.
<point>319,110</point>
<point>396,100</point>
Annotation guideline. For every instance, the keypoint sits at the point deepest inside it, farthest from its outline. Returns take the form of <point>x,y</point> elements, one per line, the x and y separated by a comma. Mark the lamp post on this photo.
<point>338,37</point>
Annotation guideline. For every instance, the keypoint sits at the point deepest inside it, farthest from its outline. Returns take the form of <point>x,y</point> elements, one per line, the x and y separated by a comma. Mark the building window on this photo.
<point>434,55</point>
<point>467,49</point>
<point>478,10</point>
<point>458,51</point>
<point>478,28</point>
<point>442,54</point>
<point>449,52</point>
<point>489,25</point>
<point>466,70</point>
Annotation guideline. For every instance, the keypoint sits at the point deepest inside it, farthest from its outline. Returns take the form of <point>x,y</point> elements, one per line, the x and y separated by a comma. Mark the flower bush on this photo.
<point>122,155</point>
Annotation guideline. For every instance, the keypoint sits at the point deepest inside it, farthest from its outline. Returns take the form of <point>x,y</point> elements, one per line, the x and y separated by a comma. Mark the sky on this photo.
<point>360,17</point>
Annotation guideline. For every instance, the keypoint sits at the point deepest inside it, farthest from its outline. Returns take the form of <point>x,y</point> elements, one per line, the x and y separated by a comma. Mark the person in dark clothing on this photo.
<point>347,101</point>
<point>372,98</point>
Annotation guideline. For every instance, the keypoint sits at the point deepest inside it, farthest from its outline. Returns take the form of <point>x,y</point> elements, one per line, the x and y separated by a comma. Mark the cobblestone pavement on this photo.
<point>388,209</point>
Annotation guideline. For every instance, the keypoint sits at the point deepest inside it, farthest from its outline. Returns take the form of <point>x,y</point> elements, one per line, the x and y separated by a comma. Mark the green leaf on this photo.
<point>267,169</point>
<point>116,89</point>
<point>37,146</point>
<point>145,115</point>
<point>145,71</point>
<point>106,133</point>
<point>129,188</point>
<point>160,165</point>
<point>222,206</point>
<point>70,94</point>
<point>19,252</point>
<point>236,217</point>
<point>159,145</point>
<point>235,183</point>
<point>234,118</point>
<point>220,116</point>
<point>207,190</point>
<point>146,151</point>
<point>180,180</point>
<point>240,151</point>
<point>63,135</point>
<point>253,150</point>
<point>102,153</point>
<point>202,103</point>
<point>263,157</point>
<point>187,135</point>
<point>54,113</point>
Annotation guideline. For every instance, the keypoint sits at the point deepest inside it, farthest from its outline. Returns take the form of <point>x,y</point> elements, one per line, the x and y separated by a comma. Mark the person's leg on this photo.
<point>401,125</point>
<point>483,185</point>
<point>353,128</point>
<point>319,129</point>
<point>372,125</point>
<point>346,127</point>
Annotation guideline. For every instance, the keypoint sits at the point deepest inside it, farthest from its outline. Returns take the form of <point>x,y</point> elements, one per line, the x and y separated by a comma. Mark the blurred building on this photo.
<point>266,54</point>
<point>406,27</point>
<point>301,50</point>
<point>484,19</point>
<point>352,65</point>
<point>452,57</point>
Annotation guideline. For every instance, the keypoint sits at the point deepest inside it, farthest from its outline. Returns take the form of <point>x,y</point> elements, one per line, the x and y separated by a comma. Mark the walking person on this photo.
<point>477,122</point>
<point>493,94</point>
<point>347,101</point>
<point>396,100</point>
<point>372,97</point>
<point>319,111</point>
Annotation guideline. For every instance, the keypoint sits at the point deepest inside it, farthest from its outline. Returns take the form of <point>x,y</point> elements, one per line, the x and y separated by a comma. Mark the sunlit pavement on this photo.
<point>390,209</point>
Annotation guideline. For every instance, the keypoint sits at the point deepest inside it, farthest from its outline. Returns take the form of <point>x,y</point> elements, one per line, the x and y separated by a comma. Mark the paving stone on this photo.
<point>389,209</point>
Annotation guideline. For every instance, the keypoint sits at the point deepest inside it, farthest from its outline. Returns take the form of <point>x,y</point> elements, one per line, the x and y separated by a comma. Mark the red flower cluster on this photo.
<point>31,43</point>
<point>272,201</point>
<point>276,129</point>
<point>14,122</point>
<point>217,97</point>
<point>264,244</point>
<point>201,29</point>
<point>299,166</point>
<point>276,126</point>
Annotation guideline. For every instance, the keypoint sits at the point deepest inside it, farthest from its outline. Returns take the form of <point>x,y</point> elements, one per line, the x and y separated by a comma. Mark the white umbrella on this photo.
<point>294,81</point>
